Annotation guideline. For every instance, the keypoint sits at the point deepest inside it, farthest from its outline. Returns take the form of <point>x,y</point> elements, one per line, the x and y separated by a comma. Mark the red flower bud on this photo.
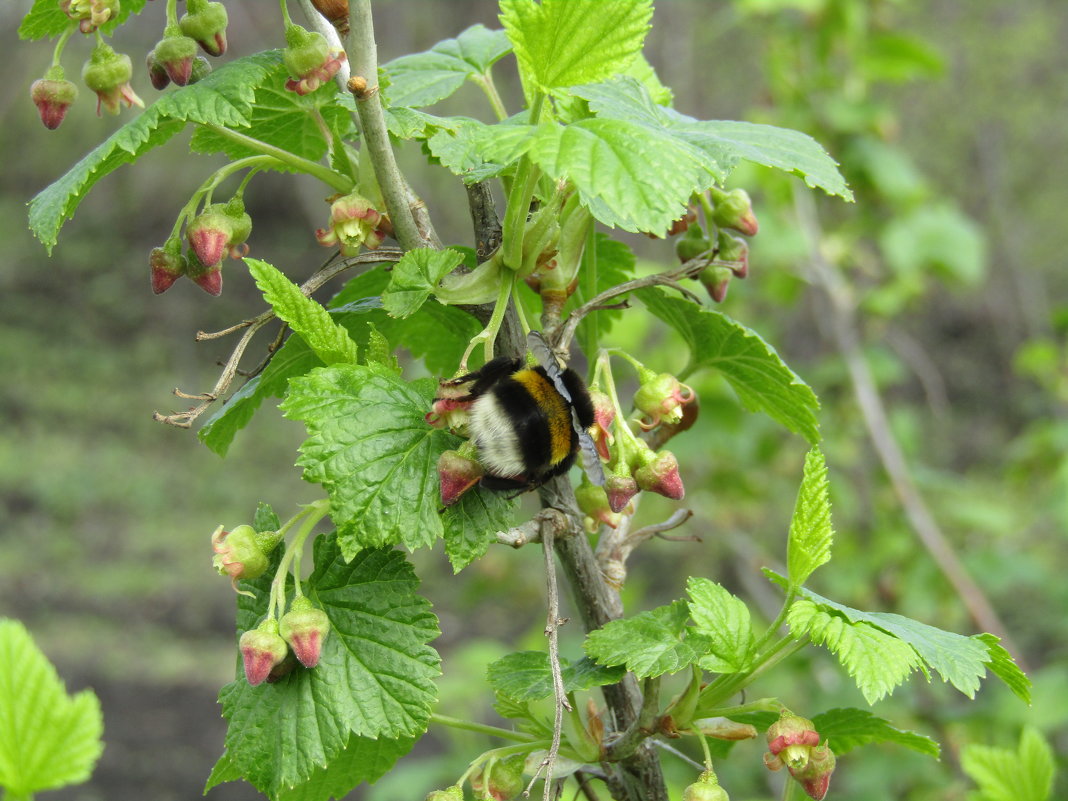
<point>238,553</point>
<point>716,279</point>
<point>205,22</point>
<point>706,788</point>
<point>661,475</point>
<point>604,412</point>
<point>353,222</point>
<point>175,53</point>
<point>791,739</point>
<point>619,489</point>
<point>53,95</point>
<point>735,252</point>
<point>309,60</point>
<point>593,501</point>
<point>167,265</point>
<point>108,74</point>
<point>734,210</point>
<point>261,650</point>
<point>157,73</point>
<point>661,398</point>
<point>457,473</point>
<point>815,776</point>
<point>207,278</point>
<point>505,779</point>
<point>209,235</point>
<point>305,628</point>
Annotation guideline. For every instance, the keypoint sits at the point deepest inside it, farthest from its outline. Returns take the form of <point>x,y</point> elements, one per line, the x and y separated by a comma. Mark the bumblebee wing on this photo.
<point>591,461</point>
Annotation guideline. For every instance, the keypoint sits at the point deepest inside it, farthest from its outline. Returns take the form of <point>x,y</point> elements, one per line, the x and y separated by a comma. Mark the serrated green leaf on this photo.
<point>724,620</point>
<point>48,739</point>
<point>422,79</point>
<point>527,676</point>
<point>629,175</point>
<point>471,525</point>
<point>374,679</point>
<point>415,277</point>
<point>751,366</point>
<point>561,43</point>
<point>224,97</point>
<point>878,662</point>
<point>1005,774</point>
<point>283,119</point>
<point>846,729</point>
<point>721,143</point>
<point>265,518</point>
<point>1003,666</point>
<point>372,451</point>
<point>648,644</point>
<point>811,534</point>
<point>330,341</point>
<point>47,19</point>
<point>476,151</point>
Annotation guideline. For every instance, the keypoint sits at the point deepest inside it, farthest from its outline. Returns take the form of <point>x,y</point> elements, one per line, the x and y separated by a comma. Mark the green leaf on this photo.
<point>305,316</point>
<point>1003,666</point>
<point>265,518</point>
<point>422,79</point>
<point>878,662</point>
<point>471,525</point>
<point>724,620</point>
<point>1004,774</point>
<point>612,263</point>
<point>936,239</point>
<point>527,676</point>
<point>846,729</point>
<point>48,739</point>
<point>225,97</point>
<point>751,366</point>
<point>809,545</point>
<point>476,151</point>
<point>374,680</point>
<point>415,277</point>
<point>372,451</point>
<point>720,143</point>
<point>47,19</point>
<point>648,644</point>
<point>283,119</point>
<point>562,43</point>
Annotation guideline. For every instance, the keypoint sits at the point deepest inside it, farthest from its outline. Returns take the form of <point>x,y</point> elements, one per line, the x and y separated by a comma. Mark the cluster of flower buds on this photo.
<point>90,14</point>
<point>309,60</point>
<point>53,95</point>
<point>706,788</point>
<point>354,222</point>
<point>271,650</point>
<point>729,254</point>
<point>501,781</point>
<point>219,231</point>
<point>108,74</point>
<point>793,742</point>
<point>242,553</point>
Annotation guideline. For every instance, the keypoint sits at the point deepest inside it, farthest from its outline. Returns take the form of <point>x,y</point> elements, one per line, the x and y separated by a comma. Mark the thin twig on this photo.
<point>676,752</point>
<point>680,516</point>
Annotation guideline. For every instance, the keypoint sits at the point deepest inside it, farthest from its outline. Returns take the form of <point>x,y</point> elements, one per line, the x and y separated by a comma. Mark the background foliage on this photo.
<point>107,513</point>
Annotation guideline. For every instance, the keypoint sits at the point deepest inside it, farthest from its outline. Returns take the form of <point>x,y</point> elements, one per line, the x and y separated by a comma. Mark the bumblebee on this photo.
<point>529,422</point>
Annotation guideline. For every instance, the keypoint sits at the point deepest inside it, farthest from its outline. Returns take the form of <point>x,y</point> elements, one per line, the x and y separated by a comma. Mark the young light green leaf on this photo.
<point>47,19</point>
<point>225,97</point>
<point>471,525</point>
<point>724,620</point>
<point>374,679</point>
<point>561,43</point>
<point>809,544</point>
<point>1005,774</point>
<point>650,643</point>
<point>527,676</point>
<point>846,729</point>
<point>1003,666</point>
<point>422,79</point>
<point>330,341</point>
<point>476,151</point>
<point>371,449</point>
<point>878,662</point>
<point>48,739</point>
<point>751,366</point>
<point>415,277</point>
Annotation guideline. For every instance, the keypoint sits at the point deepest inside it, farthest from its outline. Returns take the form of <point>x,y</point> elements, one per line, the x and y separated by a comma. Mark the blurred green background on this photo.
<point>949,119</point>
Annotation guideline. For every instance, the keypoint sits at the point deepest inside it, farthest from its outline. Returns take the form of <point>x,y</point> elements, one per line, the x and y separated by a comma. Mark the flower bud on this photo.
<point>716,279</point>
<point>661,397</point>
<point>504,782</point>
<point>735,252</point>
<point>791,739</point>
<point>706,788</point>
<point>604,412</point>
<point>353,222</point>
<point>305,628</point>
<point>205,22</point>
<point>207,278</point>
<point>693,244</point>
<point>336,12</point>
<point>261,650</point>
<point>53,95</point>
<point>451,406</point>
<point>167,265</point>
<point>209,235</point>
<point>175,53</point>
<point>815,776</point>
<point>619,489</point>
<point>661,475</point>
<point>108,74</point>
<point>91,14</point>
<point>593,501</point>
<point>238,553</point>
<point>734,210</point>
<point>457,472</point>
<point>454,793</point>
<point>309,60</point>
<point>157,73</point>
<point>240,227</point>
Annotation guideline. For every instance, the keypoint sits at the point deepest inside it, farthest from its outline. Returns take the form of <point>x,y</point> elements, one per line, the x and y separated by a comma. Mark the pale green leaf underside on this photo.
<point>751,366</point>
<point>415,277</point>
<point>846,729</point>
<point>561,43</point>
<point>372,451</point>
<point>650,643</point>
<point>724,620</point>
<point>372,689</point>
<point>526,675</point>
<point>48,739</point>
<point>330,341</point>
<point>811,534</point>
